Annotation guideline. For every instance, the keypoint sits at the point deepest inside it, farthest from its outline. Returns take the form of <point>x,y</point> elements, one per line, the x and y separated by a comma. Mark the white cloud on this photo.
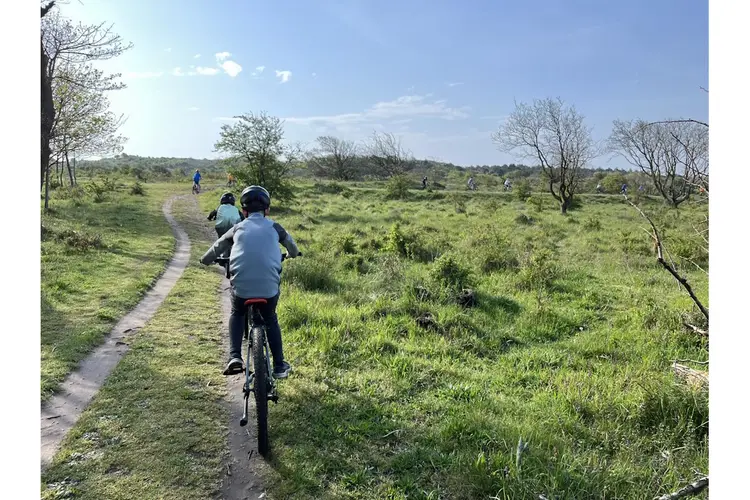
<point>405,107</point>
<point>314,75</point>
<point>196,56</point>
<point>284,76</point>
<point>231,68</point>
<point>168,49</point>
<point>192,108</point>
<point>206,71</point>
<point>220,56</point>
<point>260,69</point>
<point>455,84</point>
<point>178,72</point>
<point>144,74</point>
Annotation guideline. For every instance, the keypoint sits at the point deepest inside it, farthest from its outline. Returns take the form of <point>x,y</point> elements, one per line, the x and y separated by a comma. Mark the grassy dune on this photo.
<point>399,391</point>
<point>404,393</point>
<point>98,259</point>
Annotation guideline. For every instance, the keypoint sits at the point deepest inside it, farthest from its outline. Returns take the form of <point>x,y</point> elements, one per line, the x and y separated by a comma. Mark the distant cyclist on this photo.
<point>624,189</point>
<point>424,182</point>
<point>197,180</point>
<point>472,186</point>
<point>507,184</point>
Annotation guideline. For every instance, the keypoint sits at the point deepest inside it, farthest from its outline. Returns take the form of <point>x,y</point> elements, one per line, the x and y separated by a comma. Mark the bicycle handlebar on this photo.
<point>224,261</point>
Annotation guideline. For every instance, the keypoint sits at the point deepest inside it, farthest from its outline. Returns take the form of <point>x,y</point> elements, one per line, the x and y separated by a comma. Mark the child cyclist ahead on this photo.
<point>255,270</point>
<point>226,215</point>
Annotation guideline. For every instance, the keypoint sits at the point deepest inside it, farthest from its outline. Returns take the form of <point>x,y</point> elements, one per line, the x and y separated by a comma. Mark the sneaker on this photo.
<point>235,365</point>
<point>282,371</point>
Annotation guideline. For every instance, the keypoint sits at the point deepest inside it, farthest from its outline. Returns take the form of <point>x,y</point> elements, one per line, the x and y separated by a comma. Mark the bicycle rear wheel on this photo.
<point>261,388</point>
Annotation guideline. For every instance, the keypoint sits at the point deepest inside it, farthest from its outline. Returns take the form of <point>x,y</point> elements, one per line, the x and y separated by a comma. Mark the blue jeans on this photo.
<point>273,330</point>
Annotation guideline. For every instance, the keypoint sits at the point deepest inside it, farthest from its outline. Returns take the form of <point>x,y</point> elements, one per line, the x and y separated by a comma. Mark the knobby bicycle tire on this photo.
<point>261,388</point>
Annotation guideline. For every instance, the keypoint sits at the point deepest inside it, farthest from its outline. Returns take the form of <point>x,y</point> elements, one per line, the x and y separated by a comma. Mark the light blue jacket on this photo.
<point>255,258</point>
<point>227,216</point>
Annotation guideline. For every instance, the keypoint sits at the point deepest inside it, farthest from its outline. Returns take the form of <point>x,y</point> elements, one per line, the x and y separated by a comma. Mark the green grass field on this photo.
<point>98,259</point>
<point>399,391</point>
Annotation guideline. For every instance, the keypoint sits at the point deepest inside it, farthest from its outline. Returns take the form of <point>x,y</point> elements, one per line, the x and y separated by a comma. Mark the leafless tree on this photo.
<point>387,155</point>
<point>334,158</point>
<point>552,133</point>
<point>673,153</point>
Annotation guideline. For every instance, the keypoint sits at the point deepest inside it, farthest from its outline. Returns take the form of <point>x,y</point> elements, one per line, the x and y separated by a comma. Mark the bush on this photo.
<point>535,202</point>
<point>523,190</point>
<point>524,219</point>
<point>690,251</point>
<point>313,274</point>
<point>76,240</point>
<point>450,275</point>
<point>459,202</point>
<point>345,245</point>
<point>137,189</point>
<point>75,193</point>
<point>492,250</point>
<point>397,188</point>
<point>592,224</point>
<point>408,245</point>
<point>538,270</point>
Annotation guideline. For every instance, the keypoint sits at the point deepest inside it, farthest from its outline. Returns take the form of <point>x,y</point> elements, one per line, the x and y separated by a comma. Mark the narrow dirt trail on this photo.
<point>61,412</point>
<point>242,480</point>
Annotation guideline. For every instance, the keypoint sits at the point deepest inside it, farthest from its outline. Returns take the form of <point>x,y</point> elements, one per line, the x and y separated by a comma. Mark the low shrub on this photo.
<point>397,188</point>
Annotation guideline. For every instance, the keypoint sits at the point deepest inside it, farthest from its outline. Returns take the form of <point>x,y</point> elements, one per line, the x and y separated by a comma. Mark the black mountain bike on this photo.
<point>260,380</point>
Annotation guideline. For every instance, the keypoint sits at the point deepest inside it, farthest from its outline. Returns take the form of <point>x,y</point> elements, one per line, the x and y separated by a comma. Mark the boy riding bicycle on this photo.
<point>255,270</point>
<point>197,179</point>
<point>226,215</point>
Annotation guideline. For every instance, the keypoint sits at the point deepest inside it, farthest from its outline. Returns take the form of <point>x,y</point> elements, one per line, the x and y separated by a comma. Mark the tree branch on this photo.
<point>665,264</point>
<point>689,490</point>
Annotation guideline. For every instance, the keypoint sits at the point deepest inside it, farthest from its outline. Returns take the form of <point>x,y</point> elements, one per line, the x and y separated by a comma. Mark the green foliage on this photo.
<point>612,183</point>
<point>592,223</point>
<point>310,273</point>
<point>459,202</point>
<point>536,203</point>
<point>409,244</point>
<point>258,155</point>
<point>689,249</point>
<point>74,240</point>
<point>450,275</point>
<point>538,270</point>
<point>492,250</point>
<point>345,244</point>
<point>522,190</point>
<point>397,187</point>
<point>523,220</point>
<point>99,189</point>
<point>137,189</point>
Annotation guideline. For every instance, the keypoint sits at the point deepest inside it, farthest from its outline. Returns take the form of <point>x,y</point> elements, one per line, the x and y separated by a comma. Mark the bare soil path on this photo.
<point>61,412</point>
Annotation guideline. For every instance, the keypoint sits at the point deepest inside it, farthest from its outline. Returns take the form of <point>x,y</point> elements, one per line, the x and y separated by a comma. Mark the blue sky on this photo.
<point>440,74</point>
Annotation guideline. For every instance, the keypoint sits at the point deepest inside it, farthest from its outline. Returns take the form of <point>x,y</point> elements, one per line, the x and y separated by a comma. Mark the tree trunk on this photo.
<point>46,189</point>
<point>47,118</point>
<point>48,110</point>
<point>564,204</point>
<point>70,171</point>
